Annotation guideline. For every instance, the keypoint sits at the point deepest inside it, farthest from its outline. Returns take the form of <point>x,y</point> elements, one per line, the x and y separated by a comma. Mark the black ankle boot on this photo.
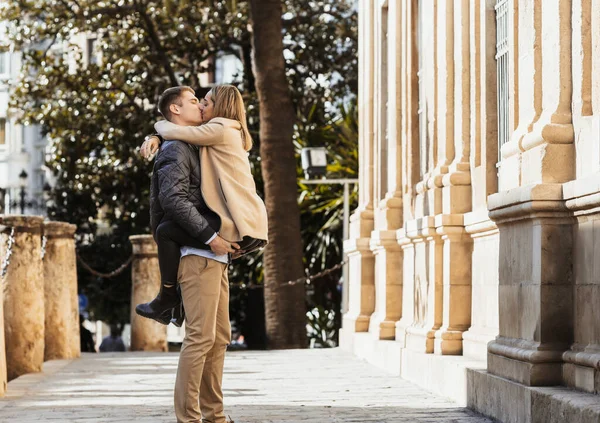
<point>178,312</point>
<point>159,309</point>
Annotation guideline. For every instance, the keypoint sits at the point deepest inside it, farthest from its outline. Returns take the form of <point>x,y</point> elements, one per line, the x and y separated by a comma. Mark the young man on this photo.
<point>176,198</point>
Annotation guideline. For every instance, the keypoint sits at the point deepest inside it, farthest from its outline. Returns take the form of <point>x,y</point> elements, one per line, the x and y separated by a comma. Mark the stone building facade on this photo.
<point>473,261</point>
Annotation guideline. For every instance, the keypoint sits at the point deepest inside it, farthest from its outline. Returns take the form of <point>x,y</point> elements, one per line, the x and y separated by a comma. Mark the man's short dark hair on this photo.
<point>171,96</point>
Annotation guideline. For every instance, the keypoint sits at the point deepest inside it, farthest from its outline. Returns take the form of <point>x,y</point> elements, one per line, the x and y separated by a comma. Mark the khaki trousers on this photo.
<point>205,292</point>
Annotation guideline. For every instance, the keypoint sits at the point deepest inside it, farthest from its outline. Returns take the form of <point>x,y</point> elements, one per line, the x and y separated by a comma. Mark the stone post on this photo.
<point>24,297</point>
<point>146,334</point>
<point>60,275</point>
<point>74,339</point>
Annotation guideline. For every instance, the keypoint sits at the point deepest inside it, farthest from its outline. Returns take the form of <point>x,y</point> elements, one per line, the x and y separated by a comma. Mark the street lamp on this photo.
<point>23,184</point>
<point>314,163</point>
<point>33,204</point>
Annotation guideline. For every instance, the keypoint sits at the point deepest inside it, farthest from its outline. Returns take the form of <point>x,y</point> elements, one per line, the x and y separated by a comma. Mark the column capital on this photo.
<point>59,230</point>
<point>143,245</point>
<point>23,223</point>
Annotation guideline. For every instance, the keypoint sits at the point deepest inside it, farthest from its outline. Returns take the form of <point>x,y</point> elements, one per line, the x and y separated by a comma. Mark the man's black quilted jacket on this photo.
<point>175,192</point>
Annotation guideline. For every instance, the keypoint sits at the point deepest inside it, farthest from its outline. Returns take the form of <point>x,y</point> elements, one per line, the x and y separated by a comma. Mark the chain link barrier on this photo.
<point>44,242</point>
<point>11,242</point>
<point>9,246</point>
<point>305,279</point>
<point>112,274</point>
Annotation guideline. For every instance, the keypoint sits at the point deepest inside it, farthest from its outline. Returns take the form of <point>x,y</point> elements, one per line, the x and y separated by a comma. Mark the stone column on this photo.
<point>146,334</point>
<point>3,376</point>
<point>428,287</point>
<point>536,285</point>
<point>408,247</point>
<point>361,290</point>
<point>388,213</point>
<point>388,284</point>
<point>457,256</point>
<point>24,298</point>
<point>484,181</point>
<point>60,275</point>
<point>549,155</point>
<point>456,198</point>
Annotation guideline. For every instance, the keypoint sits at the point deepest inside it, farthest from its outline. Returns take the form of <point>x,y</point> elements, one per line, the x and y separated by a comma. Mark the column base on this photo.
<point>384,330</point>
<point>402,331</point>
<point>356,323</point>
<point>525,362</point>
<point>512,402</point>
<point>448,342</point>
<point>581,369</point>
<point>420,340</point>
<point>475,343</point>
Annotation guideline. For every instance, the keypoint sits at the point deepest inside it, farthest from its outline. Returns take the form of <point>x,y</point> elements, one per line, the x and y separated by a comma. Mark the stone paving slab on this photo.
<point>259,387</point>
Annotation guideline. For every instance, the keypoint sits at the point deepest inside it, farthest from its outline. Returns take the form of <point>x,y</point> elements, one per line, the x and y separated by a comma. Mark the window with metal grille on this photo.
<point>502,31</point>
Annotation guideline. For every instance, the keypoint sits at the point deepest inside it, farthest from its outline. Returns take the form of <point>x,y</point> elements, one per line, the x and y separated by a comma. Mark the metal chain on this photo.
<point>44,242</point>
<point>9,246</point>
<point>121,269</point>
<point>112,274</point>
<point>305,279</point>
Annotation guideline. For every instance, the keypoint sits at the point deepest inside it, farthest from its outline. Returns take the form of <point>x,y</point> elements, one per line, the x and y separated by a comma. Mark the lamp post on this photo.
<point>23,184</point>
<point>36,205</point>
<point>314,163</point>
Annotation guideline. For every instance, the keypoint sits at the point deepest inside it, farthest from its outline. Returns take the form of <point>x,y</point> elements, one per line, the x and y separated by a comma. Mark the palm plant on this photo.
<point>321,211</point>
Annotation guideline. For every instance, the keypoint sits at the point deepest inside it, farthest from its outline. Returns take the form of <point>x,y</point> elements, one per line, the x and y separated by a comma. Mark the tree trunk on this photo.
<point>285,306</point>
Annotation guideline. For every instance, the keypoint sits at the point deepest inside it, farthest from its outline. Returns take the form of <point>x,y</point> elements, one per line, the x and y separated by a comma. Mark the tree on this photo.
<point>95,113</point>
<point>284,304</point>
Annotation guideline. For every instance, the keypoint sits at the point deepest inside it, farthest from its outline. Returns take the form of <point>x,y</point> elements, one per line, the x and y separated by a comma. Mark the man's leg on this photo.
<point>200,281</point>
<point>211,393</point>
<point>169,238</point>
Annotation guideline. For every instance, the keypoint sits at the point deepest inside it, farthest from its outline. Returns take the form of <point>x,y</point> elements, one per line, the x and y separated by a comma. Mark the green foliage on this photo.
<point>110,298</point>
<point>320,328</point>
<point>321,209</point>
<point>96,113</point>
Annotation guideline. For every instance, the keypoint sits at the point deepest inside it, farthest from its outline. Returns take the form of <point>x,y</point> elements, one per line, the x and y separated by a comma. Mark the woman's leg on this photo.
<point>169,238</point>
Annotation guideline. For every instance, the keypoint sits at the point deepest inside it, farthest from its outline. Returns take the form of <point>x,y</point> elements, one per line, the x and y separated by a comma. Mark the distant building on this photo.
<point>21,148</point>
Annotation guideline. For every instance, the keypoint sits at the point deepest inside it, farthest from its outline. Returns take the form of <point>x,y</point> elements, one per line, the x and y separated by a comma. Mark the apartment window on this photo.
<point>502,31</point>
<point>92,57</point>
<point>4,63</point>
<point>2,131</point>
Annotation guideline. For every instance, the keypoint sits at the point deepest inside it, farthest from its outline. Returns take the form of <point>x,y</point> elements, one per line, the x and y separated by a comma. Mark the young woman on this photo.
<point>227,186</point>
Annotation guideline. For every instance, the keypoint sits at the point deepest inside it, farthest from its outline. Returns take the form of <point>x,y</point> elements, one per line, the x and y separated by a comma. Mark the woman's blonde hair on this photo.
<point>230,104</point>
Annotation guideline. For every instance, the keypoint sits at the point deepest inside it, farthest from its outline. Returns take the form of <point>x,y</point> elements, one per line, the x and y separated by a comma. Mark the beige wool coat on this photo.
<point>227,184</point>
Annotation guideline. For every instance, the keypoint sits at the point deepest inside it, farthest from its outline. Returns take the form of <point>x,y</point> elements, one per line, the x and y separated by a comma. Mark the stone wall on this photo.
<point>427,163</point>
<point>479,194</point>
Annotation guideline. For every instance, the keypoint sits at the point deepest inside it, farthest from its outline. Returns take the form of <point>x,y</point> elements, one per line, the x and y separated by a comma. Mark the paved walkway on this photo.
<point>260,387</point>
